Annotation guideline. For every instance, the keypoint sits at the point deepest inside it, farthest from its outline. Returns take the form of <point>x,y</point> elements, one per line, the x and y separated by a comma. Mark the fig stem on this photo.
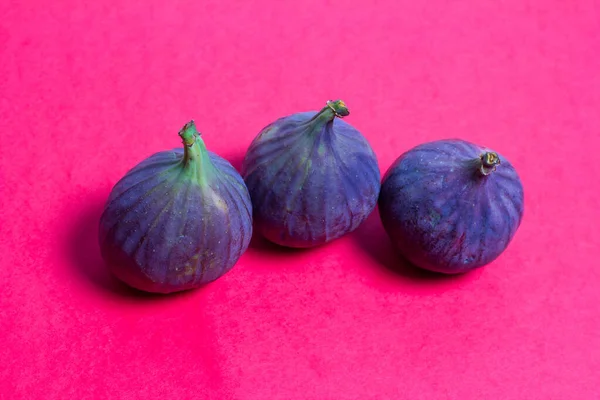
<point>195,156</point>
<point>489,162</point>
<point>189,133</point>
<point>338,107</point>
<point>328,113</point>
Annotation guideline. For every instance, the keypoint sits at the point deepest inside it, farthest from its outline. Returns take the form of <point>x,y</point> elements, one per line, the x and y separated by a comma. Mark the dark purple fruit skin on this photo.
<point>162,232</point>
<point>443,214</point>
<point>309,188</point>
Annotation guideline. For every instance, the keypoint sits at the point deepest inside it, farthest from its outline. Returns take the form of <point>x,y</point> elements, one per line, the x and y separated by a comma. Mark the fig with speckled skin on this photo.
<point>312,178</point>
<point>451,206</point>
<point>177,220</point>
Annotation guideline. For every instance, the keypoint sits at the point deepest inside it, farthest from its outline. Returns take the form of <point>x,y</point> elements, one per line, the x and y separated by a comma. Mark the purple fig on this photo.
<point>312,178</point>
<point>177,220</point>
<point>451,206</point>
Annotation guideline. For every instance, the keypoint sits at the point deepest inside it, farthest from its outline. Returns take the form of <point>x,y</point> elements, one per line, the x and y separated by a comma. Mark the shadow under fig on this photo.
<point>260,244</point>
<point>373,239</point>
<point>83,250</point>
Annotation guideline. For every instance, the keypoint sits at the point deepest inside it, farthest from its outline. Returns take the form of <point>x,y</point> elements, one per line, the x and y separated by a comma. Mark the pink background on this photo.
<point>88,89</point>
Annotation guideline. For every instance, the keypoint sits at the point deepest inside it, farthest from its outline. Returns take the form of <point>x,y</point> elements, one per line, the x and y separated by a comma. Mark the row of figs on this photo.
<point>182,218</point>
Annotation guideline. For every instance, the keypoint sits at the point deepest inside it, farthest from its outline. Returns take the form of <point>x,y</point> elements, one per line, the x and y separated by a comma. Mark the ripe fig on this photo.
<point>312,178</point>
<point>177,220</point>
<point>451,206</point>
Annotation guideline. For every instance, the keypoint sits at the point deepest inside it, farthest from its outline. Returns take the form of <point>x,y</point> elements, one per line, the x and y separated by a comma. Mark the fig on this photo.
<point>451,206</point>
<point>312,178</point>
<point>177,220</point>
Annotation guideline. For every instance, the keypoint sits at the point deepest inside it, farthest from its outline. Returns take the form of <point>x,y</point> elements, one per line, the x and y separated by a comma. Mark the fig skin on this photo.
<point>312,178</point>
<point>177,220</point>
<point>451,206</point>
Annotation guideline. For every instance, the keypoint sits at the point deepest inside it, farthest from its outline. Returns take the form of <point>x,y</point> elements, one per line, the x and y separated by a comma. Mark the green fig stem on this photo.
<point>328,113</point>
<point>338,107</point>
<point>189,133</point>
<point>489,162</point>
<point>195,156</point>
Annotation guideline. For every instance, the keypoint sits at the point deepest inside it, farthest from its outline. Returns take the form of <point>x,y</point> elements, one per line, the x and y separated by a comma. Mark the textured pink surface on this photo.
<point>88,89</point>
